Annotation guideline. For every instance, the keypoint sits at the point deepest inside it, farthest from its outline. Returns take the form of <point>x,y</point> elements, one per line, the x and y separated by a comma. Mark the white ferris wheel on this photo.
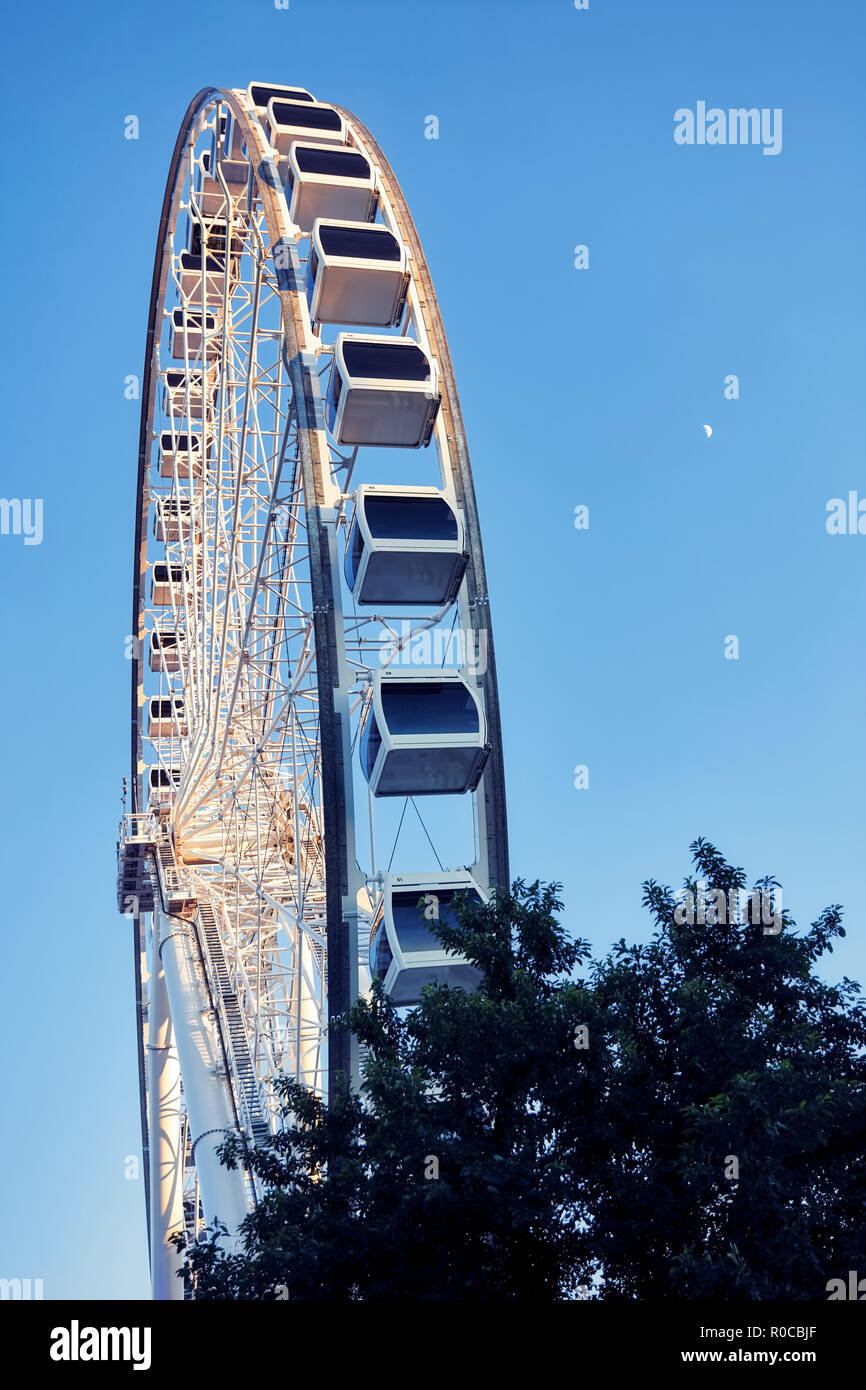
<point>315,718</point>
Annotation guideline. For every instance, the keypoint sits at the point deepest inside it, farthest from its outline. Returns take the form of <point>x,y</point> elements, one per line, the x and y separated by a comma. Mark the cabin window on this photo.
<point>182,443</point>
<point>289,113</point>
<point>413,929</point>
<point>410,518</point>
<point>375,244</point>
<point>394,361</point>
<point>345,164</point>
<point>160,777</point>
<point>162,709</point>
<point>192,320</point>
<point>212,264</point>
<point>429,707</point>
<point>262,95</point>
<point>354,552</point>
<point>380,953</point>
<point>371,742</point>
<point>176,383</point>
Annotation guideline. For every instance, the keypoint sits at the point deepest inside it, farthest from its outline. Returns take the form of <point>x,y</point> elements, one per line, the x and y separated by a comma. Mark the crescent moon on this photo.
<point>709,430</point>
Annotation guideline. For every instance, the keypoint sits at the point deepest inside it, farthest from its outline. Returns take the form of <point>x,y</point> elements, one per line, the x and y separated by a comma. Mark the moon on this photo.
<point>708,428</point>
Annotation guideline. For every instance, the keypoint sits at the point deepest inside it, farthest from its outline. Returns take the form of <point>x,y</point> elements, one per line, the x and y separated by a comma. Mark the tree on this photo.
<point>686,1119</point>
<point>733,1108</point>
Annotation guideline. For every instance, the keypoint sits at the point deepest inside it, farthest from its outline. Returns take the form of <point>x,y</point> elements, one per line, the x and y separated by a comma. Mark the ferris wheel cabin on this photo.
<point>329,181</point>
<point>165,717</point>
<point>356,273</point>
<point>177,450</point>
<point>213,236</point>
<point>383,391</point>
<point>171,518</point>
<point>424,734</point>
<point>162,784</point>
<point>404,952</point>
<point>311,121</point>
<point>176,400</point>
<point>201,276</point>
<point>211,196</point>
<point>405,546</point>
<point>164,650</point>
<point>185,337</point>
<point>166,585</point>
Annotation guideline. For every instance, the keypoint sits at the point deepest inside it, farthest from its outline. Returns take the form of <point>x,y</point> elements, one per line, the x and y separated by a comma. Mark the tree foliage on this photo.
<point>708,1141</point>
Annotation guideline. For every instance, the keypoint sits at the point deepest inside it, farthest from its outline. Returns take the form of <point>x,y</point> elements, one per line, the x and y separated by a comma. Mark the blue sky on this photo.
<point>578,387</point>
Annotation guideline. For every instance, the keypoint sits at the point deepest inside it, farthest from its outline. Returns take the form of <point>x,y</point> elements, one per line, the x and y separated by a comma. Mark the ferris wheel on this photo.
<point>315,716</point>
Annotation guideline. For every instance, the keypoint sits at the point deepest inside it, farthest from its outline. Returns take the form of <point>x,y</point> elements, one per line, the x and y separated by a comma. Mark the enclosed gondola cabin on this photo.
<point>165,717</point>
<point>171,519</point>
<point>424,734</point>
<point>202,276</point>
<point>261,94</point>
<point>185,335</point>
<point>164,650</point>
<point>404,951</point>
<point>356,273</point>
<point>179,450</point>
<point>405,546</point>
<point>213,236</point>
<point>162,784</point>
<point>383,391</point>
<point>212,196</point>
<point>329,181</point>
<point>311,121</point>
<point>166,585</point>
<point>180,402</point>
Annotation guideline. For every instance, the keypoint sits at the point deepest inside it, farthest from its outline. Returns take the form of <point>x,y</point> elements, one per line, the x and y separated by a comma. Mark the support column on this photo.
<point>225,1192</point>
<point>166,1156</point>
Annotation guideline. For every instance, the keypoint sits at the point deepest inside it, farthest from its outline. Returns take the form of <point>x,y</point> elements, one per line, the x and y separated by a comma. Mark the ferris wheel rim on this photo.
<point>497,852</point>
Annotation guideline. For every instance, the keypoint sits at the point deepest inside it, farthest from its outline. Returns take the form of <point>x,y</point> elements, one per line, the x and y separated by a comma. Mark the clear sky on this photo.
<point>578,387</point>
